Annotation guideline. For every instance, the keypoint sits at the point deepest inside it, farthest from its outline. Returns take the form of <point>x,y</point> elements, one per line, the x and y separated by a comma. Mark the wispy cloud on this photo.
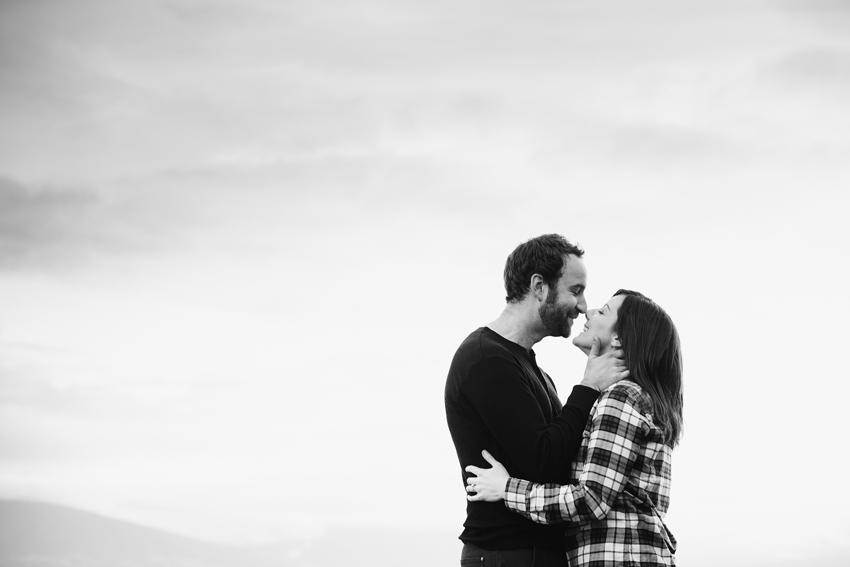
<point>48,228</point>
<point>825,70</point>
<point>826,15</point>
<point>44,228</point>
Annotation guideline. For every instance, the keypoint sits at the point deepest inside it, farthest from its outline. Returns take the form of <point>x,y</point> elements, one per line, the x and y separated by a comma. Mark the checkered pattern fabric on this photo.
<point>619,491</point>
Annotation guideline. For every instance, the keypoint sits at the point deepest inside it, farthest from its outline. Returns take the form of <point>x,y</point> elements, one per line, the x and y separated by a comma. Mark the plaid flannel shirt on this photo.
<point>619,491</point>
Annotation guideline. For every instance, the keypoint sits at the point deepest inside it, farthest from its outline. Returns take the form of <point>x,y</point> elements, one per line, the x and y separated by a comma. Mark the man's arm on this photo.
<point>529,445</point>
<point>614,445</point>
<point>524,439</point>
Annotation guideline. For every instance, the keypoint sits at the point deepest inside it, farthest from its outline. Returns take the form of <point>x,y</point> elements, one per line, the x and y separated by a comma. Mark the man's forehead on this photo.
<point>574,270</point>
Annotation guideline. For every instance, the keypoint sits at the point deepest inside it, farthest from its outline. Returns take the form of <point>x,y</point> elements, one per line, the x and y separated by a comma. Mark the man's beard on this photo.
<point>556,318</point>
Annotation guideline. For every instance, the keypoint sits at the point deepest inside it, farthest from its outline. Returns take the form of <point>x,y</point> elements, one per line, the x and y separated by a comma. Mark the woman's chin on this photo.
<point>583,342</point>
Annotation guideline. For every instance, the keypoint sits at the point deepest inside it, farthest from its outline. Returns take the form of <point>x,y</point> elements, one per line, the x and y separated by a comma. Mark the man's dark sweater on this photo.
<point>498,399</point>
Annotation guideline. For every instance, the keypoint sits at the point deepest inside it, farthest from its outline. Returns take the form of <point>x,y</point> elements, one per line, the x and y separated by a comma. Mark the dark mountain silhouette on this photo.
<point>34,534</point>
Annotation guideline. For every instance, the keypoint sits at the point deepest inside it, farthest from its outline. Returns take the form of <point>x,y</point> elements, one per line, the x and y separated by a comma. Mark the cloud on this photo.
<point>131,89</point>
<point>826,15</point>
<point>65,229</point>
<point>41,227</point>
<point>827,70</point>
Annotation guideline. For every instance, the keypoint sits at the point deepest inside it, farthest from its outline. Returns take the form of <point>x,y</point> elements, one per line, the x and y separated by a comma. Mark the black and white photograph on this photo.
<point>395,283</point>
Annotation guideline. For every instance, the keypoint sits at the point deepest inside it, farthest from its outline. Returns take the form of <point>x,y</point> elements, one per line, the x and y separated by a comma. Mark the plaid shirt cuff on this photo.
<point>515,495</point>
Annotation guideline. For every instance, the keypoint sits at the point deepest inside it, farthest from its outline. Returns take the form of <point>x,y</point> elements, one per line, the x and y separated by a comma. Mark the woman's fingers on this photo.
<point>472,469</point>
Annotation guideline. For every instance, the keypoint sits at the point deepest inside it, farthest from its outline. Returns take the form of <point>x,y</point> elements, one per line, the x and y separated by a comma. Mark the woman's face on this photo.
<point>600,323</point>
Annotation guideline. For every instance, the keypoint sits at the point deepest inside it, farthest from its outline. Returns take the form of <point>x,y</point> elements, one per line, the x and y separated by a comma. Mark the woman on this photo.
<point>620,482</point>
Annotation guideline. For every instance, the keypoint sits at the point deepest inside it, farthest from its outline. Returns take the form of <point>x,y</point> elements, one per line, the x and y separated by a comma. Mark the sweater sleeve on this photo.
<point>504,400</point>
<point>615,441</point>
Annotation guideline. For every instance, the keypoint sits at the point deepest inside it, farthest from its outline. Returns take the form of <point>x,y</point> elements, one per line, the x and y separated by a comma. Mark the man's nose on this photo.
<point>582,306</point>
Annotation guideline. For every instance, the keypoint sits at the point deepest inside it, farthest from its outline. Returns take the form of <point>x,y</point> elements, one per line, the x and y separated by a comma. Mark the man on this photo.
<point>498,399</point>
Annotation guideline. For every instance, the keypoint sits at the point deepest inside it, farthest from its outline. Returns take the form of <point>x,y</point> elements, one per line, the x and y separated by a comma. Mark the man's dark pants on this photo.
<point>528,557</point>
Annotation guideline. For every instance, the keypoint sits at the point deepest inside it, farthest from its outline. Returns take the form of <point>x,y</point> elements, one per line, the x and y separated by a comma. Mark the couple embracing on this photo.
<point>585,483</point>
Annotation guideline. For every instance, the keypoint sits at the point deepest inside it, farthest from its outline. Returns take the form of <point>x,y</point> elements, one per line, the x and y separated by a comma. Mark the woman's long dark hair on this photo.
<point>654,357</point>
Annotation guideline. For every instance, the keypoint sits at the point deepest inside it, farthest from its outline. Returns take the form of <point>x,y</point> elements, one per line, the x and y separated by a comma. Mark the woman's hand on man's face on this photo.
<point>487,485</point>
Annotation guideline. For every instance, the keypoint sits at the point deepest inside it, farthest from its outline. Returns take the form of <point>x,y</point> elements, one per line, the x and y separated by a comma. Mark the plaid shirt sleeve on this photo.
<point>616,434</point>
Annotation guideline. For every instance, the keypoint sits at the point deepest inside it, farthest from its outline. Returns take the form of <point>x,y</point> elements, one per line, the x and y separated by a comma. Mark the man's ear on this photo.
<point>539,289</point>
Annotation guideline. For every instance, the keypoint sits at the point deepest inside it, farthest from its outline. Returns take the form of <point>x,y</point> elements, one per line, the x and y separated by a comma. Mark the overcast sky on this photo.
<point>241,240</point>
